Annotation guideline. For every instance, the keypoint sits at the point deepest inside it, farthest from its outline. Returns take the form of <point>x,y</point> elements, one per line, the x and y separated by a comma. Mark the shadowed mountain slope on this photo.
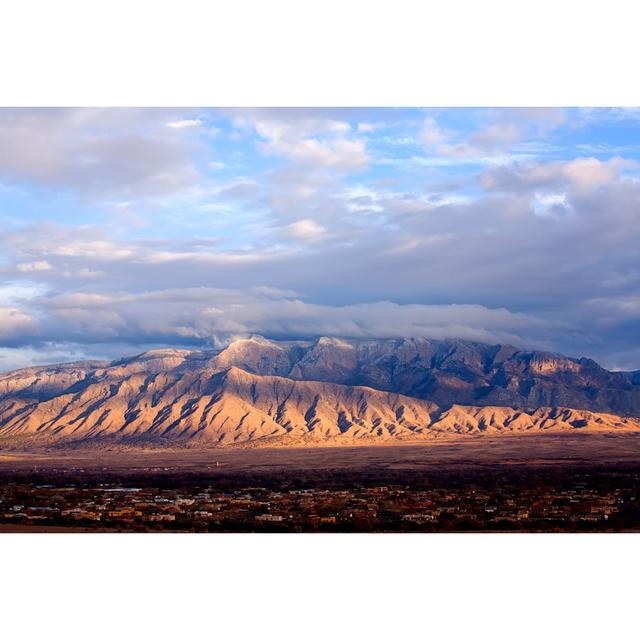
<point>297,392</point>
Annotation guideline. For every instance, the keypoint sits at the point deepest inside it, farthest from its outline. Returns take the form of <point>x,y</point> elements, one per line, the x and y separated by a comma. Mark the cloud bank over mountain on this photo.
<point>126,229</point>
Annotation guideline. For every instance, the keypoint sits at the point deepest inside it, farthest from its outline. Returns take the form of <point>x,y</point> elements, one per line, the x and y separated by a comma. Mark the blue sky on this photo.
<point>125,229</point>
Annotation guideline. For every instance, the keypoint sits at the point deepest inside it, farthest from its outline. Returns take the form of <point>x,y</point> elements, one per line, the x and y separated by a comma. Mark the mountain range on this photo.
<point>326,391</point>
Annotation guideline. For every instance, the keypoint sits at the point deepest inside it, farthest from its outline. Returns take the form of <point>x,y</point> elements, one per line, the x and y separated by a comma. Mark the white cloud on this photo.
<point>306,230</point>
<point>545,204</point>
<point>19,292</point>
<point>83,273</point>
<point>319,142</point>
<point>341,154</point>
<point>184,124</point>
<point>38,265</point>
<point>14,321</point>
<point>431,134</point>
<point>499,135</point>
<point>97,249</point>
<point>588,172</point>
<point>581,174</point>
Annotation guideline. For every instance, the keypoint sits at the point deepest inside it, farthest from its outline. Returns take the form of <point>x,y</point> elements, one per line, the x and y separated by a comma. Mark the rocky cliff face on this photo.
<point>445,372</point>
<point>296,393</point>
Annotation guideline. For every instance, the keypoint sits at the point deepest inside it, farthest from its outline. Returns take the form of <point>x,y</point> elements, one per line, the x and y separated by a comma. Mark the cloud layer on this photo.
<point>130,228</point>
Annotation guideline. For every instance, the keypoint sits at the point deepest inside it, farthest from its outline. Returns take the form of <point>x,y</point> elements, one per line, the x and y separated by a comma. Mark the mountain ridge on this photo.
<point>260,391</point>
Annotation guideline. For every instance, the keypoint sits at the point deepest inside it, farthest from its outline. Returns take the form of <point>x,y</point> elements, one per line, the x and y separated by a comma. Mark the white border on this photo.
<point>319,586</point>
<point>296,52</point>
<point>330,53</point>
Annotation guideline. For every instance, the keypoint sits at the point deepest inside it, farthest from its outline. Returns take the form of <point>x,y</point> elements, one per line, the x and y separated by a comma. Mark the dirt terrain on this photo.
<point>529,450</point>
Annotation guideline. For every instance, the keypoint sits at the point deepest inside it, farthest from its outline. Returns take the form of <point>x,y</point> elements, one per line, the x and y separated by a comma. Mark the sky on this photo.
<point>130,229</point>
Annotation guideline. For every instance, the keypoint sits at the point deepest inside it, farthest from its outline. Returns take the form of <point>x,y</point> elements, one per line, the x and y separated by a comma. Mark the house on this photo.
<point>268,517</point>
<point>202,514</point>
<point>161,517</point>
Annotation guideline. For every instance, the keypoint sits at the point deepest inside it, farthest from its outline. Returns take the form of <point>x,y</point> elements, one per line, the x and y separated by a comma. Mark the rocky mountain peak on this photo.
<point>258,388</point>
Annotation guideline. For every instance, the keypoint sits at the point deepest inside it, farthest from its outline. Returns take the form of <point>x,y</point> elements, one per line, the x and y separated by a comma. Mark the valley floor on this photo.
<point>522,449</point>
<point>562,482</point>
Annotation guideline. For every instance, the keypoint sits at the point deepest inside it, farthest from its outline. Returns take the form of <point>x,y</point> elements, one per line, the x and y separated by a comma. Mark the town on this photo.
<point>586,500</point>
